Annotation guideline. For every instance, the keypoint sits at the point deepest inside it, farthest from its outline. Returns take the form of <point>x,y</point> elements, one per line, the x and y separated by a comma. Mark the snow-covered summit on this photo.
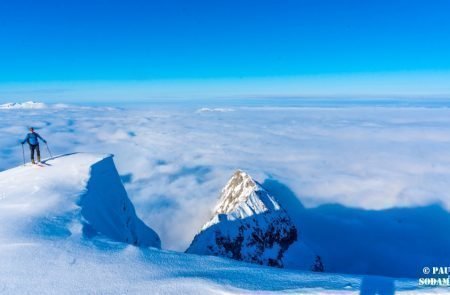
<point>77,195</point>
<point>24,105</point>
<point>242,197</point>
<point>248,224</point>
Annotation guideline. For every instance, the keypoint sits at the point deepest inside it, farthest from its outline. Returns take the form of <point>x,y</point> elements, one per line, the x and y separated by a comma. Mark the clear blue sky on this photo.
<point>147,41</point>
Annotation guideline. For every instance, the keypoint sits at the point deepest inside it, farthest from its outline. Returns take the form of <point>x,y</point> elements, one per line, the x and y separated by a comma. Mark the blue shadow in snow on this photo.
<point>377,286</point>
<point>395,242</point>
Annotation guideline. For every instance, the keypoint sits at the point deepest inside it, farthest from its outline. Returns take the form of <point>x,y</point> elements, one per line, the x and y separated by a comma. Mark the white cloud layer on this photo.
<point>175,160</point>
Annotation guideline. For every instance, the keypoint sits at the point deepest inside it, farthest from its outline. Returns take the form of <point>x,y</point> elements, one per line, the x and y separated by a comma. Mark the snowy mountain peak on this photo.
<point>248,224</point>
<point>242,197</point>
<point>237,190</point>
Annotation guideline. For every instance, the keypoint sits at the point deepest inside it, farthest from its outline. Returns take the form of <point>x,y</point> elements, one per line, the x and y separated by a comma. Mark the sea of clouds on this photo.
<point>174,159</point>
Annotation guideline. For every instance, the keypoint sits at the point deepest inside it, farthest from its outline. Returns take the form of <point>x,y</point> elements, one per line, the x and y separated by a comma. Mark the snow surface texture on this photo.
<point>249,225</point>
<point>46,267</point>
<point>77,194</point>
<point>46,249</point>
<point>367,185</point>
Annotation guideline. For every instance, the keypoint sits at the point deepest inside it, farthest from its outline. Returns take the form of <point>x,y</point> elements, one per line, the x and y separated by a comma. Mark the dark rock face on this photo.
<point>251,241</point>
<point>248,225</point>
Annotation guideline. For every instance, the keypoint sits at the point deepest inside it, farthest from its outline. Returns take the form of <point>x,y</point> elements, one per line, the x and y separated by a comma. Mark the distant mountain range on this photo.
<point>24,105</point>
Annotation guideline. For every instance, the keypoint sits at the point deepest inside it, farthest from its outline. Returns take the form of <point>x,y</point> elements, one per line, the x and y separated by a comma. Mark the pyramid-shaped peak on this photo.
<point>237,190</point>
<point>248,225</point>
<point>242,196</point>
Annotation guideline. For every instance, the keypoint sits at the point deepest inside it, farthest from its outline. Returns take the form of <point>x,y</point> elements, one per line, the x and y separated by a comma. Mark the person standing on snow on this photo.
<point>32,139</point>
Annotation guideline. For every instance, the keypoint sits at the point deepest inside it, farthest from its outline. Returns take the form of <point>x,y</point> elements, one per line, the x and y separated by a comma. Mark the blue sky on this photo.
<point>168,47</point>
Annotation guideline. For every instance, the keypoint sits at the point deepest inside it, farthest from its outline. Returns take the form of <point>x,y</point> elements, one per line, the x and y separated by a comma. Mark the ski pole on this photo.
<point>23,155</point>
<point>48,149</point>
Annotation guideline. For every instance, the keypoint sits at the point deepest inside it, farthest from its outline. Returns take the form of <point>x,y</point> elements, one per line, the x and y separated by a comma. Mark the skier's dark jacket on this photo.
<point>32,138</point>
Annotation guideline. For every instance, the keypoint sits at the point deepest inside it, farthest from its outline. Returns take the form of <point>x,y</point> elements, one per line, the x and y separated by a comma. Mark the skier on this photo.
<point>33,142</point>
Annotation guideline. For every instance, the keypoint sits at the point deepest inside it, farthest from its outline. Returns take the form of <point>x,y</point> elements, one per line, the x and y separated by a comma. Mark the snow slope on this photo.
<point>69,228</point>
<point>82,268</point>
<point>77,194</point>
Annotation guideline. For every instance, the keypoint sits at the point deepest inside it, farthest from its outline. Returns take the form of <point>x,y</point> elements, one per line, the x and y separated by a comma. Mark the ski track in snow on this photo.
<point>175,161</point>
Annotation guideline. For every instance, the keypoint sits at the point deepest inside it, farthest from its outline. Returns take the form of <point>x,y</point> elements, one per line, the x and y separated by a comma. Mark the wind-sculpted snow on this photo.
<point>73,268</point>
<point>108,211</point>
<point>71,195</point>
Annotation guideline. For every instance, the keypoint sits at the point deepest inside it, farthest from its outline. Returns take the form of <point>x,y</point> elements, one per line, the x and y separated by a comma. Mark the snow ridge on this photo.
<point>71,196</point>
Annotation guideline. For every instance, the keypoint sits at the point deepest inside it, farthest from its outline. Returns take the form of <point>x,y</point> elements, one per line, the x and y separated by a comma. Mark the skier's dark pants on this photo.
<point>34,147</point>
